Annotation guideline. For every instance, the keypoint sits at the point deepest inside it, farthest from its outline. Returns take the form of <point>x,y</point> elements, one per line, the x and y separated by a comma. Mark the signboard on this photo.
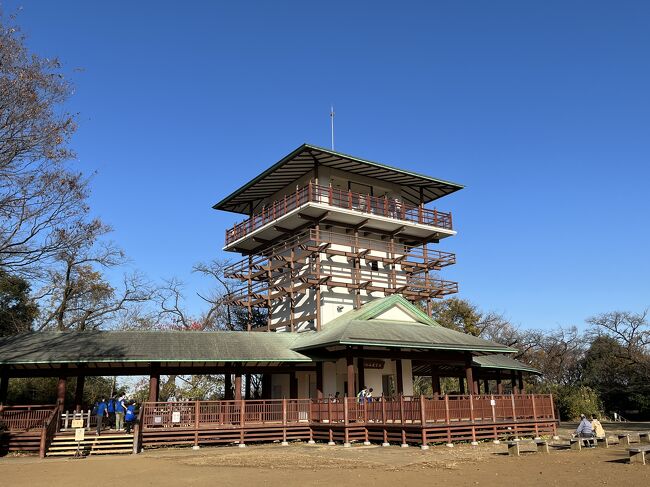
<point>493,402</point>
<point>176,417</point>
<point>79,434</point>
<point>157,420</point>
<point>77,423</point>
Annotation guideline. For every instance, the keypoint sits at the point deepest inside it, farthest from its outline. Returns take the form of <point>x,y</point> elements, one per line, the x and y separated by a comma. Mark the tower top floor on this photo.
<point>312,184</point>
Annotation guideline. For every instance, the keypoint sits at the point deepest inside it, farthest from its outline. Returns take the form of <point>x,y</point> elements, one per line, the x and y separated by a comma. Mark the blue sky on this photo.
<point>542,109</point>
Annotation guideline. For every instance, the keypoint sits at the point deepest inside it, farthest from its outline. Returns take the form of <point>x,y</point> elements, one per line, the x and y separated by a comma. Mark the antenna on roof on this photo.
<point>332,124</point>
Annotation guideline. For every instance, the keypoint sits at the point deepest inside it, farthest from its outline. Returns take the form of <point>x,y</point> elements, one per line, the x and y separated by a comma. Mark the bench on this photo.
<point>576,443</point>
<point>624,440</point>
<point>638,453</point>
<point>513,447</point>
<point>601,442</point>
<point>644,437</point>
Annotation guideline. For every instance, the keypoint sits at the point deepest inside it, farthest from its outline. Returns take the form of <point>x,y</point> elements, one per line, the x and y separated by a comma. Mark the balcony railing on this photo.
<point>349,200</point>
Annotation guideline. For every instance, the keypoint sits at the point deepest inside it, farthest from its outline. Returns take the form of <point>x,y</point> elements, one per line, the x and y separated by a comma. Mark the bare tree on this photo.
<point>41,200</point>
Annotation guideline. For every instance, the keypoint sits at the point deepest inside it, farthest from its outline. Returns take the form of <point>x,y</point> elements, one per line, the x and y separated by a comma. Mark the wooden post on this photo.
<point>318,290</point>
<point>247,394</point>
<point>284,421</point>
<point>350,366</point>
<point>227,383</point>
<point>499,384</point>
<point>448,419</point>
<point>242,418</point>
<point>79,393</point>
<point>468,373</point>
<point>197,415</point>
<point>293,385</point>
<point>319,380</point>
<point>154,382</point>
<point>346,419</point>
<point>400,378</point>
<point>4,384</point>
<point>60,390</point>
<point>522,388</point>
<point>361,373</point>
<point>486,386</point>
<point>461,385</point>
<point>435,380</point>
<point>513,378</point>
<point>238,384</point>
<point>532,398</point>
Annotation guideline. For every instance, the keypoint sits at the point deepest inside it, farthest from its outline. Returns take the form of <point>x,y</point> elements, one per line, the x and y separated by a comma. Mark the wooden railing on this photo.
<point>50,429</point>
<point>23,418</point>
<point>399,410</point>
<point>193,414</point>
<point>442,409</point>
<point>349,200</point>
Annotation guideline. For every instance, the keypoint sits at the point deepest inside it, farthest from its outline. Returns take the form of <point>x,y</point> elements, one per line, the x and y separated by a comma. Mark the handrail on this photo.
<point>23,418</point>
<point>137,432</point>
<point>349,200</point>
<point>49,430</point>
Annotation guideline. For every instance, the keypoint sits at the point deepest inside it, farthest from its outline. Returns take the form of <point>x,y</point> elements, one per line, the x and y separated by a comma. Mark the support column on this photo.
<point>4,385</point>
<point>293,385</point>
<point>400,378</point>
<point>238,384</point>
<point>499,384</point>
<point>522,387</point>
<point>247,395</point>
<point>319,380</point>
<point>461,385</point>
<point>79,393</point>
<point>350,369</point>
<point>476,389</point>
<point>154,383</point>
<point>435,380</point>
<point>469,376</point>
<point>361,373</point>
<point>513,379</point>
<point>60,390</point>
<point>486,386</point>
<point>228,384</point>
<point>267,384</point>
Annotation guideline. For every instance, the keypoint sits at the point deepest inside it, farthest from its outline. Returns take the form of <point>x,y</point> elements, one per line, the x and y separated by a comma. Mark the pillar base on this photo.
<point>404,445</point>
<point>496,442</point>
<point>330,443</point>
<point>366,443</point>
<point>347,445</point>
<point>242,445</point>
<point>474,443</point>
<point>424,447</point>
<point>556,438</point>
<point>196,447</point>
<point>450,445</point>
<point>285,443</point>
<point>311,442</point>
<point>385,444</point>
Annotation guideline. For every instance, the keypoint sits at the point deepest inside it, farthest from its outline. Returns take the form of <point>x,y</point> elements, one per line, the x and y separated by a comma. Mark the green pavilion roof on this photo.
<point>499,361</point>
<point>365,327</point>
<point>149,346</point>
<point>302,160</point>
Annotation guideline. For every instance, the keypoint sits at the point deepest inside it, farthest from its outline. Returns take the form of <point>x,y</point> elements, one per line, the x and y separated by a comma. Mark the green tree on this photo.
<point>17,309</point>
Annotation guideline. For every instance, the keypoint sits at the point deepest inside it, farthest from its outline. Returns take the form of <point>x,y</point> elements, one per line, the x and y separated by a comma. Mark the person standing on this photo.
<point>369,395</point>
<point>120,408</point>
<point>101,412</point>
<point>110,407</point>
<point>361,396</point>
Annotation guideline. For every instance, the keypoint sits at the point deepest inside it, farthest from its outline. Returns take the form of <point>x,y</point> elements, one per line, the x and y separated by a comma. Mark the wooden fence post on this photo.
<point>423,421</point>
<point>532,398</point>
<point>197,413</point>
<point>242,422</point>
<point>345,421</point>
<point>448,420</point>
<point>284,422</point>
<point>472,418</point>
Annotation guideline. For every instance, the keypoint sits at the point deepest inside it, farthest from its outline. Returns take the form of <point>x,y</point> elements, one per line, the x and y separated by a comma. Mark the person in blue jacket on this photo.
<point>101,412</point>
<point>110,407</point>
<point>130,416</point>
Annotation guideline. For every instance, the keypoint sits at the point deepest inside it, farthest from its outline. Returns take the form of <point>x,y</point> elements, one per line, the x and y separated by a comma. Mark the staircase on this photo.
<point>63,444</point>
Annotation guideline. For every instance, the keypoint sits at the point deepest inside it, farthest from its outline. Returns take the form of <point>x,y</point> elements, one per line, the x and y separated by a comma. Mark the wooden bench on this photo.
<point>513,447</point>
<point>638,453</point>
<point>644,438</point>
<point>624,440</point>
<point>577,443</point>
<point>601,442</point>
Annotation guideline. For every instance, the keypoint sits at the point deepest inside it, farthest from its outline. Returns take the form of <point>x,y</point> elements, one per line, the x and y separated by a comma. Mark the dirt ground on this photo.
<point>302,464</point>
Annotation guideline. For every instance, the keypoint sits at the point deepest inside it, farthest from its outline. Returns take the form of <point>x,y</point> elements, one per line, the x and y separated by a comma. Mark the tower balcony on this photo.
<point>313,204</point>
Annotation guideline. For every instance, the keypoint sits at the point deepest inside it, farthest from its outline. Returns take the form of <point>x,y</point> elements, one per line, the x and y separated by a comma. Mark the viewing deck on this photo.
<point>380,207</point>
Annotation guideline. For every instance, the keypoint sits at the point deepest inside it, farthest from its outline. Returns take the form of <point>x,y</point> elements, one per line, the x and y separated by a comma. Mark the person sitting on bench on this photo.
<point>585,430</point>
<point>597,428</point>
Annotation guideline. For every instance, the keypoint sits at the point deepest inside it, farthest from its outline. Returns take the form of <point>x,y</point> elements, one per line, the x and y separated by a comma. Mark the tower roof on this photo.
<point>304,158</point>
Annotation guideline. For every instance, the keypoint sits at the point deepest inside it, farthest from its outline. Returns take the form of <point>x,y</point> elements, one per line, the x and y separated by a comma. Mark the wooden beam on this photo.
<point>154,383</point>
